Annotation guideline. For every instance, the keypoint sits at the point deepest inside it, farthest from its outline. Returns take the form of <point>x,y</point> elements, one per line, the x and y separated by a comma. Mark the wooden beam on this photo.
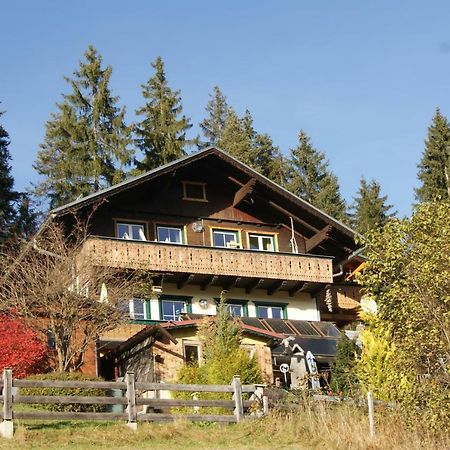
<point>318,238</point>
<point>239,183</point>
<point>244,192</point>
<point>338,317</point>
<point>296,288</point>
<point>231,282</point>
<point>294,217</point>
<point>211,280</point>
<point>280,208</point>
<point>149,331</point>
<point>186,278</point>
<point>254,285</point>
<point>276,287</point>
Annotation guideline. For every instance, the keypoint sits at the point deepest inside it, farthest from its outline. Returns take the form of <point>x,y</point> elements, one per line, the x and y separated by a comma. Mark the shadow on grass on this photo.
<point>64,424</point>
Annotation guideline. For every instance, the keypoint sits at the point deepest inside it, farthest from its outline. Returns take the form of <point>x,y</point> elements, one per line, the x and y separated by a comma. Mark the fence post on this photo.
<point>7,426</point>
<point>131,401</point>
<point>371,418</point>
<point>237,397</point>
<point>265,401</point>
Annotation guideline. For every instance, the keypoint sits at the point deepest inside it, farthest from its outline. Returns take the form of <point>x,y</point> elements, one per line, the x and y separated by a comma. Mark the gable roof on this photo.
<point>189,159</point>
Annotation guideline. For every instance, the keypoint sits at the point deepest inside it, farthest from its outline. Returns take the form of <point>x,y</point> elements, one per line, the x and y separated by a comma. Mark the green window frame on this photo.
<point>237,302</point>
<point>220,238</point>
<point>283,306</point>
<point>146,310</point>
<point>260,242</point>
<point>174,298</point>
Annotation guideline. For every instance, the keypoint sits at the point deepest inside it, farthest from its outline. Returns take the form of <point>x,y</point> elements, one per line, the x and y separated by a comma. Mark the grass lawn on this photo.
<point>321,427</point>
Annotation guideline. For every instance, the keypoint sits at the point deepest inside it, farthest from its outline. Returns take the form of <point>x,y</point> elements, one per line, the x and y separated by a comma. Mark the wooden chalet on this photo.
<point>207,223</point>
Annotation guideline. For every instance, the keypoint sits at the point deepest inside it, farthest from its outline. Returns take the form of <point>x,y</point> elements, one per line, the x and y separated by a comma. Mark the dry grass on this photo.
<point>338,427</point>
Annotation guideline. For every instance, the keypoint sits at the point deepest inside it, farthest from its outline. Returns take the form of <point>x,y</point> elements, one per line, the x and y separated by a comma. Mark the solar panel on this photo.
<point>253,322</point>
<point>328,329</point>
<point>317,346</point>
<point>304,328</point>
<point>279,326</point>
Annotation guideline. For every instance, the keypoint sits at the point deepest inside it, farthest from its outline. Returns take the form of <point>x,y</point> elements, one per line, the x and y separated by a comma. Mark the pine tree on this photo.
<point>370,209</point>
<point>237,137</point>
<point>26,224</point>
<point>344,380</point>
<point>217,109</point>
<point>434,167</point>
<point>268,159</point>
<point>311,179</point>
<point>240,139</point>
<point>161,135</point>
<point>8,196</point>
<point>86,141</point>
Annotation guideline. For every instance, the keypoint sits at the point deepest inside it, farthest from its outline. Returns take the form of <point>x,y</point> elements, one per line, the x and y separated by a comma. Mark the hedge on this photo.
<point>71,407</point>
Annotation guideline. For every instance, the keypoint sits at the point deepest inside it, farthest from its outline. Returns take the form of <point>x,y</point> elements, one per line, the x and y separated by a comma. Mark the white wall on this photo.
<point>300,307</point>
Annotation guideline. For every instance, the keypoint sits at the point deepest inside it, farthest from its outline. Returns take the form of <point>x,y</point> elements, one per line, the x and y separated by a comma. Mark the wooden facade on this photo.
<point>232,229</point>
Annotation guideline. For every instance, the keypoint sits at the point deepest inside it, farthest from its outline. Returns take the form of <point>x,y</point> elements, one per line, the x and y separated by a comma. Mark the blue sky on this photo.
<point>361,78</point>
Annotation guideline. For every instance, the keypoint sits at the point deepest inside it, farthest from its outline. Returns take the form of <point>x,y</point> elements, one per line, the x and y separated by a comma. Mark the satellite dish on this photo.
<point>197,227</point>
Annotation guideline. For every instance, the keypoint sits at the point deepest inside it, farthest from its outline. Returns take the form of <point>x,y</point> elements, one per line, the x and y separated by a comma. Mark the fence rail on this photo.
<point>131,400</point>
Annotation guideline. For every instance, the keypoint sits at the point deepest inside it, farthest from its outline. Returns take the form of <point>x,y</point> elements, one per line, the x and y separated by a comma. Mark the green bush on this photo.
<point>66,376</point>
<point>344,380</point>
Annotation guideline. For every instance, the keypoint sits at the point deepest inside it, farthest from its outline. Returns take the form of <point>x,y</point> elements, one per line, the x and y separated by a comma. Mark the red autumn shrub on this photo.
<point>20,347</point>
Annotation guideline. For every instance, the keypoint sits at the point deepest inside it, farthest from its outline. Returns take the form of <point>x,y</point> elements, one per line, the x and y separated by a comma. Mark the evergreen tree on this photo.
<point>7,194</point>
<point>217,109</point>
<point>236,138</point>
<point>268,159</point>
<point>161,135</point>
<point>369,208</point>
<point>434,167</point>
<point>344,380</point>
<point>26,224</point>
<point>311,179</point>
<point>222,354</point>
<point>240,139</point>
<point>86,140</point>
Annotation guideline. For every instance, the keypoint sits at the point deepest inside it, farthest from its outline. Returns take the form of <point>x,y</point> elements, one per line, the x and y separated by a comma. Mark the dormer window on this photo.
<point>194,191</point>
<point>132,231</point>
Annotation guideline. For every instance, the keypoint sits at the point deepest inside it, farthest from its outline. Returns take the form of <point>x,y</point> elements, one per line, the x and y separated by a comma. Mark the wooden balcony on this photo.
<point>343,304</point>
<point>210,262</point>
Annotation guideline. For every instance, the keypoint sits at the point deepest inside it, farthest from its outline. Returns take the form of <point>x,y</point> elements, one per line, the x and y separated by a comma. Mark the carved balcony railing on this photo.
<point>173,258</point>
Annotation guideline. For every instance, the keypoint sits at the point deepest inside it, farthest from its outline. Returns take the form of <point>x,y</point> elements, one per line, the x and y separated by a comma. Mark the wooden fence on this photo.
<point>131,399</point>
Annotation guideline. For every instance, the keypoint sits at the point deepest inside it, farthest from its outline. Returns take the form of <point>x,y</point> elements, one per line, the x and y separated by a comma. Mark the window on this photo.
<point>191,352</point>
<point>173,235</point>
<point>269,312</point>
<point>236,307</point>
<point>249,349</point>
<point>130,231</point>
<point>263,242</point>
<point>194,191</point>
<point>137,309</point>
<point>235,310</point>
<point>171,309</point>
<point>226,238</point>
